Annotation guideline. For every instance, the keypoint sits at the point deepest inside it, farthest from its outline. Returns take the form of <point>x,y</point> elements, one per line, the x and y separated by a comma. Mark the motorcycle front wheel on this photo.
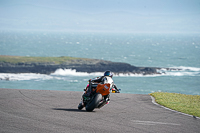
<point>94,103</point>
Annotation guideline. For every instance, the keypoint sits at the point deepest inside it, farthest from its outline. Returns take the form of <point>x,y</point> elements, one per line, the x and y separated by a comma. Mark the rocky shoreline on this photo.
<point>91,65</point>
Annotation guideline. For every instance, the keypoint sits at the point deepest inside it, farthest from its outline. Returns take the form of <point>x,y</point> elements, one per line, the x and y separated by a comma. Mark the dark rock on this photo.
<point>89,66</point>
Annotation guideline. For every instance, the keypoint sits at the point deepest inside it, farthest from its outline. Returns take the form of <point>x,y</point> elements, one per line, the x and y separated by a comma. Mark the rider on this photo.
<point>107,78</point>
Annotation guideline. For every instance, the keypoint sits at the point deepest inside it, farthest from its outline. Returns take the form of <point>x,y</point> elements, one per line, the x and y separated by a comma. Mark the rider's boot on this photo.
<point>80,106</point>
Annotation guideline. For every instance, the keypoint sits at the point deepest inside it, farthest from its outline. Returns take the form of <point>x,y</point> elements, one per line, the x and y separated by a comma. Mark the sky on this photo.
<point>138,16</point>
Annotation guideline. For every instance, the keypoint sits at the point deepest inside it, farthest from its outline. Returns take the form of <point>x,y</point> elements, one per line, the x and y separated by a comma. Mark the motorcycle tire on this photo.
<point>95,102</point>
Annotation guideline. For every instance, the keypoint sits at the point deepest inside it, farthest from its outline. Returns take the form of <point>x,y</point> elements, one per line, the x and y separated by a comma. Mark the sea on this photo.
<point>165,50</point>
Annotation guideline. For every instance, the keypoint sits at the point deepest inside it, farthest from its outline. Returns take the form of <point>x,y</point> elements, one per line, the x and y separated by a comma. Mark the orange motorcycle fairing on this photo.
<point>104,89</point>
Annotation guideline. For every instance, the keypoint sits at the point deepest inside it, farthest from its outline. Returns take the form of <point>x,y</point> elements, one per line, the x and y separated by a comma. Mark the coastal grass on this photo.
<point>189,104</point>
<point>27,59</point>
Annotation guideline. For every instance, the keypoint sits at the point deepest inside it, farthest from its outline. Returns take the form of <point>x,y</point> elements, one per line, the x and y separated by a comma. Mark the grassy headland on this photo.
<point>26,59</point>
<point>189,104</point>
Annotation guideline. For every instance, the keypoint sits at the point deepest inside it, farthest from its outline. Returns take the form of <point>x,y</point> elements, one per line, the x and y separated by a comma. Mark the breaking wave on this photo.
<point>73,72</point>
<point>61,74</point>
<point>24,76</point>
<point>172,71</point>
<point>180,71</point>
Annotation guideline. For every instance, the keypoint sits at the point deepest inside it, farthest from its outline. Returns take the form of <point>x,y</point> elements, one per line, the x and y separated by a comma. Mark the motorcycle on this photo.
<point>99,96</point>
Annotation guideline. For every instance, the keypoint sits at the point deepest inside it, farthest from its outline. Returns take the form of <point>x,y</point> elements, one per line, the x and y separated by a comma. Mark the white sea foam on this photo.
<point>24,76</point>
<point>73,72</point>
<point>60,74</point>
<point>177,71</point>
<point>183,68</point>
<point>180,71</point>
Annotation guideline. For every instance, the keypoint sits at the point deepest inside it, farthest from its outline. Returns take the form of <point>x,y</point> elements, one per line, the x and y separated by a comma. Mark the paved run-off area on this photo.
<point>46,111</point>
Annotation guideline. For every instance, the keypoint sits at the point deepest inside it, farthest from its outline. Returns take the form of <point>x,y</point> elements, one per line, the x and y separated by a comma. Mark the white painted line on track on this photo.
<point>153,123</point>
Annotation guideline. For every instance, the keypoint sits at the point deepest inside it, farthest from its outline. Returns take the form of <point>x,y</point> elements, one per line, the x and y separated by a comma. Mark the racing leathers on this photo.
<point>103,80</point>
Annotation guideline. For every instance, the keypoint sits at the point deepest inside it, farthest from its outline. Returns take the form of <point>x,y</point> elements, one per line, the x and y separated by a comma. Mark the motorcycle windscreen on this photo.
<point>104,89</point>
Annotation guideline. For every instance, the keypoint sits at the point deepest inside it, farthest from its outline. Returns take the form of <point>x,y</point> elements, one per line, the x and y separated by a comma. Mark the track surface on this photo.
<point>31,111</point>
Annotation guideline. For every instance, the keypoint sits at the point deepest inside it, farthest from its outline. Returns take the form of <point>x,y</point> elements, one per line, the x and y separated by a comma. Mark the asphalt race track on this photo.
<point>38,111</point>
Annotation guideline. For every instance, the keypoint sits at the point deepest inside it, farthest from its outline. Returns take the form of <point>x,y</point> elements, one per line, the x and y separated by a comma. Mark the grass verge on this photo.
<point>189,104</point>
<point>26,59</point>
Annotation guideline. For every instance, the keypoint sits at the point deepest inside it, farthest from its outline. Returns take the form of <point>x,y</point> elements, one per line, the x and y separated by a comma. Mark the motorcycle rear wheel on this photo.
<point>95,102</point>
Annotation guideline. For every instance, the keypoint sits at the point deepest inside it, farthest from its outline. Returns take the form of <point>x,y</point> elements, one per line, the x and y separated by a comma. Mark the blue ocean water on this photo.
<point>151,50</point>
